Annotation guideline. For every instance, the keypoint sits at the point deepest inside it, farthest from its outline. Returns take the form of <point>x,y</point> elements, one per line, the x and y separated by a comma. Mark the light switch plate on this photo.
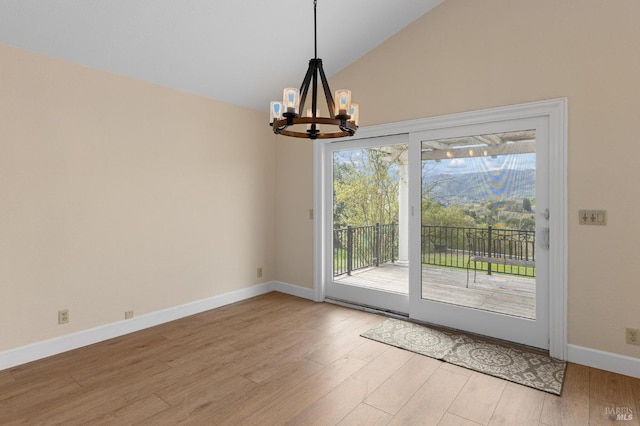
<point>592,217</point>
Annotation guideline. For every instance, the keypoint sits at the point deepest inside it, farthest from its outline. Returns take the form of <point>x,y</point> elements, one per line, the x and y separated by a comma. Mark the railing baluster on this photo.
<point>349,250</point>
<point>489,236</point>
<point>364,246</point>
<point>376,245</point>
<point>393,242</point>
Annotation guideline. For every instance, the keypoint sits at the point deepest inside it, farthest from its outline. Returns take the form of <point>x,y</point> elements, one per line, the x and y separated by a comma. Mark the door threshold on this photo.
<point>405,317</point>
<point>367,308</point>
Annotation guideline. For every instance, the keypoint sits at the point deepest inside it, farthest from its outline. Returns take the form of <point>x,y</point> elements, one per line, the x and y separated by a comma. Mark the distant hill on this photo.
<point>467,188</point>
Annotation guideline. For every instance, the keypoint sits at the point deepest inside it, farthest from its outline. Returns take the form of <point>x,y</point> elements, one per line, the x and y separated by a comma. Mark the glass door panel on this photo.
<point>369,223</point>
<point>481,196</point>
<point>478,222</point>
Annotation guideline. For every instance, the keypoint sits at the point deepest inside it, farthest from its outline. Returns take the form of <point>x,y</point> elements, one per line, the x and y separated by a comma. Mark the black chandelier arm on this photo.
<point>314,90</point>
<point>278,126</point>
<point>345,127</point>
<point>315,68</point>
<point>306,82</point>
<point>327,91</point>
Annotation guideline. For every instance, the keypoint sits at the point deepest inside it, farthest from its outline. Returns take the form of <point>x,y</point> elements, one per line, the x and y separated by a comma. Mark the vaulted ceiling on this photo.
<point>242,52</point>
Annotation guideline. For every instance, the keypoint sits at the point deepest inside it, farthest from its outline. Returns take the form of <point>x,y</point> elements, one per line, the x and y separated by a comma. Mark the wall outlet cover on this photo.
<point>63,316</point>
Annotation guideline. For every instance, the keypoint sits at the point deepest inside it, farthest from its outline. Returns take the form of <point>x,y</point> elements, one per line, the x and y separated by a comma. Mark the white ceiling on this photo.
<point>239,51</point>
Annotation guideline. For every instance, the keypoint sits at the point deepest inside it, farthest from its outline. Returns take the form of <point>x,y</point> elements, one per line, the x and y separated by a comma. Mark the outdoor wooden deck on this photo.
<point>506,294</point>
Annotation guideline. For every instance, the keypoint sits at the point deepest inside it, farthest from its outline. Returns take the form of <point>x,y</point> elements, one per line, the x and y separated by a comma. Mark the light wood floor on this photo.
<point>277,359</point>
<point>501,293</point>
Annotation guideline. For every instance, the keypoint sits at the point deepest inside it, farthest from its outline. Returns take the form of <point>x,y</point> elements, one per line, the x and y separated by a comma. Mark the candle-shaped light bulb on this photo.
<point>343,101</point>
<point>275,111</point>
<point>291,100</point>
<point>354,112</point>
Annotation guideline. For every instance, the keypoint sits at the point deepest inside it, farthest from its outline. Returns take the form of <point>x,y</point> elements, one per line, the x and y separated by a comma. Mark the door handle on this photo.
<point>545,238</point>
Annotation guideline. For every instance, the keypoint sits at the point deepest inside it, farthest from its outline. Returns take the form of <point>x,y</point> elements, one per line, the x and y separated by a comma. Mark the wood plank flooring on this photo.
<point>277,359</point>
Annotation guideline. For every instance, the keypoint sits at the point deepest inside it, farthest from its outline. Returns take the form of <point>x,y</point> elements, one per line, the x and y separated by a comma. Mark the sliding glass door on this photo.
<point>449,222</point>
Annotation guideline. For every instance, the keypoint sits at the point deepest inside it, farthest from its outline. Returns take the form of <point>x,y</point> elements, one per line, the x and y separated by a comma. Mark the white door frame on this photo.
<point>556,112</point>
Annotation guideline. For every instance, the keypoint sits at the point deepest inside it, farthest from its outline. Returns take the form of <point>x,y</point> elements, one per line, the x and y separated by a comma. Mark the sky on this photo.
<point>480,164</point>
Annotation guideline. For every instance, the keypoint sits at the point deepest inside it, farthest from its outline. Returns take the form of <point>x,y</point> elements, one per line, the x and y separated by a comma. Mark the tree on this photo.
<point>526,205</point>
<point>365,186</point>
<point>437,217</point>
<point>435,214</point>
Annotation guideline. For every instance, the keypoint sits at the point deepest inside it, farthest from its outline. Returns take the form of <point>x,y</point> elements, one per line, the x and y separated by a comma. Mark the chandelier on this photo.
<point>285,116</point>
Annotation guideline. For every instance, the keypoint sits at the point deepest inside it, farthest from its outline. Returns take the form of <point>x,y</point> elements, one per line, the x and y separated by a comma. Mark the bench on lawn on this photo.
<point>504,259</point>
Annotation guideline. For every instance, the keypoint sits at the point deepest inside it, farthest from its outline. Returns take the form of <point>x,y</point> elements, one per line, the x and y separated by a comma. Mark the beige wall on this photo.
<point>467,55</point>
<point>294,199</point>
<point>118,195</point>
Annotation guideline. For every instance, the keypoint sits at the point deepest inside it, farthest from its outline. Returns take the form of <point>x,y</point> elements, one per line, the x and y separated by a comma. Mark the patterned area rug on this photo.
<point>520,366</point>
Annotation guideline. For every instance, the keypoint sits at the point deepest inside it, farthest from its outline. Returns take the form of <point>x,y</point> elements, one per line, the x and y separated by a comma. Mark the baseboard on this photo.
<point>602,360</point>
<point>46,348</point>
<point>586,356</point>
<point>294,290</point>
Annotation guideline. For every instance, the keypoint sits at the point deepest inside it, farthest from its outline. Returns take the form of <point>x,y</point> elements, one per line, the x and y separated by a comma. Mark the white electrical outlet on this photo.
<point>63,316</point>
<point>633,336</point>
<point>259,272</point>
<point>128,315</point>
